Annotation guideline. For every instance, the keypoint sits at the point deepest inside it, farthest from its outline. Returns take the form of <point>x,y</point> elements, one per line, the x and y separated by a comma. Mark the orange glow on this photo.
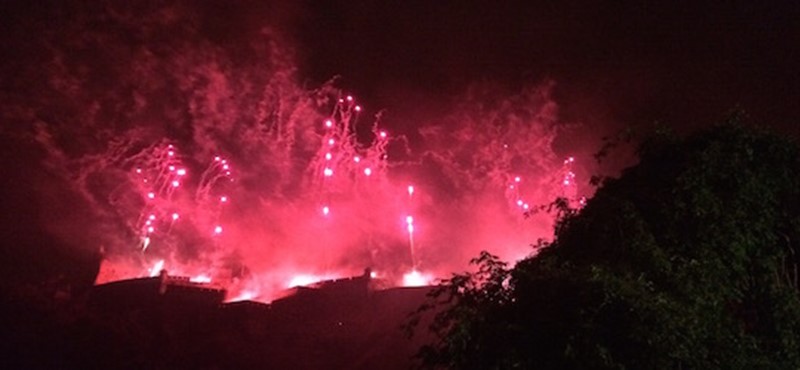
<point>415,278</point>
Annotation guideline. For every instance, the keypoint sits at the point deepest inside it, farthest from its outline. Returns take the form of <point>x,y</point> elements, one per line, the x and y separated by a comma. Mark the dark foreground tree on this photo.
<point>687,260</point>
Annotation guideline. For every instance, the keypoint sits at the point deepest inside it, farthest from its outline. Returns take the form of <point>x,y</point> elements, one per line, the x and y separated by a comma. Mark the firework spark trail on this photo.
<point>342,165</point>
<point>158,175</point>
<point>410,228</point>
<point>148,197</point>
<point>211,195</point>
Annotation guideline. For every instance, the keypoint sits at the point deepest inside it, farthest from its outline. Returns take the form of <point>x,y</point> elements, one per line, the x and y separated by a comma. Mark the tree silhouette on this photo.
<point>687,260</point>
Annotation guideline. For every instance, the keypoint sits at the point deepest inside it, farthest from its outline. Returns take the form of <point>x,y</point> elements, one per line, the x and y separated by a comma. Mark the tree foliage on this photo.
<point>687,260</point>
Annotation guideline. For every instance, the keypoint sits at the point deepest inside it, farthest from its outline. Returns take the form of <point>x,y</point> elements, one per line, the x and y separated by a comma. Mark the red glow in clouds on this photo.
<point>296,217</point>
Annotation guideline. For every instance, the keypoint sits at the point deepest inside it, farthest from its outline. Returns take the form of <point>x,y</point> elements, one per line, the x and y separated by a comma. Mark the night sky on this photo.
<point>75,75</point>
<point>624,63</point>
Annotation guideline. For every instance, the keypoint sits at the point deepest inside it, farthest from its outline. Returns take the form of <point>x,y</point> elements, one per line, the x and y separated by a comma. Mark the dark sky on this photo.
<point>683,64</point>
<point>616,64</point>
